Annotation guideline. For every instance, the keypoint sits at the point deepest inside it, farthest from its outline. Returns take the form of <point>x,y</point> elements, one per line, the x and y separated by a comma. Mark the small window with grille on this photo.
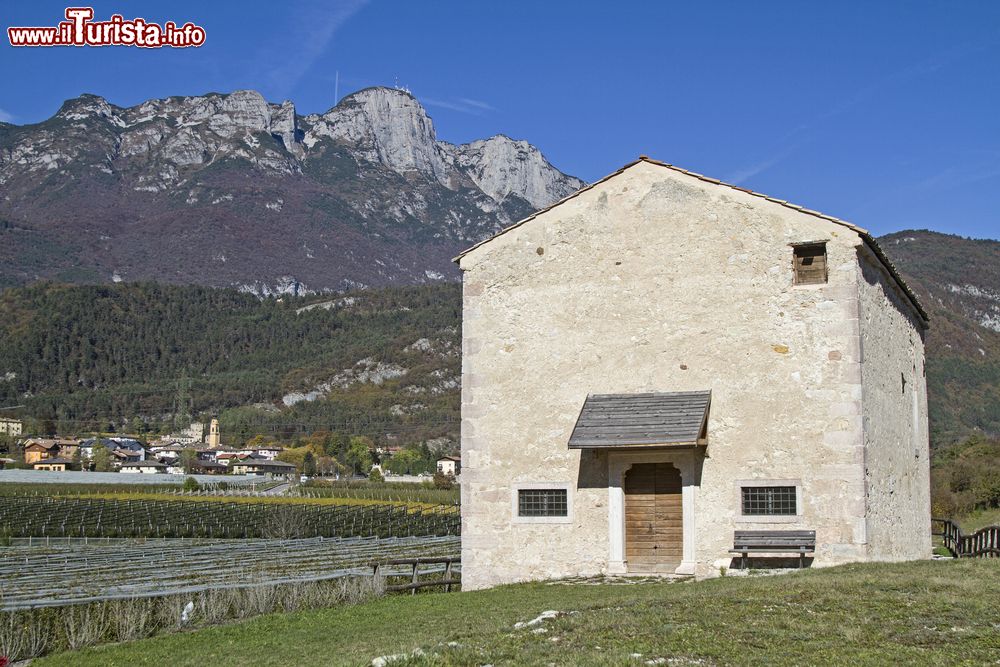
<point>542,502</point>
<point>810,263</point>
<point>769,501</point>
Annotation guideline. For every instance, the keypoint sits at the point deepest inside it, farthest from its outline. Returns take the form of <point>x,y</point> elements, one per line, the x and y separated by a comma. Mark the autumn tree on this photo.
<point>359,456</point>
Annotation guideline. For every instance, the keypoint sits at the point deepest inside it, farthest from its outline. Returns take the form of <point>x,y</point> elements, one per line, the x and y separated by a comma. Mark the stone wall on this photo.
<point>897,467</point>
<point>656,281</point>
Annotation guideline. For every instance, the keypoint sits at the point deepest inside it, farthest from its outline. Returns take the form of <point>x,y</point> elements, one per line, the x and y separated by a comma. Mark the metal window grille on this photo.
<point>769,500</point>
<point>542,502</point>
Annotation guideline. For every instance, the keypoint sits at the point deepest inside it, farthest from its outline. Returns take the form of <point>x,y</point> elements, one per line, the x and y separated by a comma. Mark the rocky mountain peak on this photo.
<point>502,166</point>
<point>241,191</point>
<point>386,125</point>
<point>87,106</point>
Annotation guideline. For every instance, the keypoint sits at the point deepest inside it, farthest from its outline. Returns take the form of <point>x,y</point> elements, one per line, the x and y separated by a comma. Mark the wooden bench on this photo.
<point>799,542</point>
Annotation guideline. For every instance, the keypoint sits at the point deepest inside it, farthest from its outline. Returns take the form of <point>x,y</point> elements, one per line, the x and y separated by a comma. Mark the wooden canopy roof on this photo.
<point>668,419</point>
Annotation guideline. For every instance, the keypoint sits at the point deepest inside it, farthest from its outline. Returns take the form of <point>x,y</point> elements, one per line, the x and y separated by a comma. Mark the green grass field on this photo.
<point>924,613</point>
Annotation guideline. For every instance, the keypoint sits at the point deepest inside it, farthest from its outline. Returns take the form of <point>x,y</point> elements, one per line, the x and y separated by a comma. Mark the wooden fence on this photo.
<point>984,543</point>
<point>448,580</point>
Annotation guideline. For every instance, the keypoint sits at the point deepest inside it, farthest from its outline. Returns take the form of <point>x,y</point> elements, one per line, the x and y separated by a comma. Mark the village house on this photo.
<point>87,447</point>
<point>38,449</point>
<point>227,457</point>
<point>11,427</point>
<point>54,464</point>
<point>269,452</point>
<point>146,467</point>
<point>167,453</point>
<point>449,465</point>
<point>122,450</point>
<point>209,467</point>
<point>172,453</point>
<point>662,365</point>
<point>120,457</point>
<point>262,467</point>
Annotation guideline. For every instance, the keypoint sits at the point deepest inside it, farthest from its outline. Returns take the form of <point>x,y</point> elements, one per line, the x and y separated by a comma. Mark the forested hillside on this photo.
<point>83,358</point>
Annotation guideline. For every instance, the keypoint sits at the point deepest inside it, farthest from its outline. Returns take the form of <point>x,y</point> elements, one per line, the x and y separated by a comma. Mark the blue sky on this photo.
<point>886,114</point>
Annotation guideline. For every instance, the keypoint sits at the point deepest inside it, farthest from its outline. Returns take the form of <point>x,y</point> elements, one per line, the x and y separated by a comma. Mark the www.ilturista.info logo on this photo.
<point>79,29</point>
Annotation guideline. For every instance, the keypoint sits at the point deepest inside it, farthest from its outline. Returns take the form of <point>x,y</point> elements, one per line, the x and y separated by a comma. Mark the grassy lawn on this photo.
<point>927,613</point>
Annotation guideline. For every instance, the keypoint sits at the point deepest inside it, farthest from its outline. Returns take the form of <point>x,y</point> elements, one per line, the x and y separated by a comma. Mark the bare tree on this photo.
<point>284,522</point>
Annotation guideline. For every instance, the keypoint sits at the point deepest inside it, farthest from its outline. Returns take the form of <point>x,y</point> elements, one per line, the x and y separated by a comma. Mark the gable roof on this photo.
<point>49,443</point>
<point>677,418</point>
<point>113,443</point>
<point>865,235</point>
<point>44,444</point>
<point>148,463</point>
<point>262,463</point>
<point>210,465</point>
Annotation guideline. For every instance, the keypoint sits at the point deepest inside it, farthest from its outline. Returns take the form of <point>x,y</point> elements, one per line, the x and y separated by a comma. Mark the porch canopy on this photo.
<point>667,419</point>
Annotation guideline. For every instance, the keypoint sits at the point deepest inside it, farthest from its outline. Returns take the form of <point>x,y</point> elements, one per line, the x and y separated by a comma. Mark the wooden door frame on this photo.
<point>687,461</point>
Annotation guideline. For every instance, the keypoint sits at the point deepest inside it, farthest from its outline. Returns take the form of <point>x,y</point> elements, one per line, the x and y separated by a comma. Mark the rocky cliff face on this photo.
<point>502,167</point>
<point>234,190</point>
<point>383,125</point>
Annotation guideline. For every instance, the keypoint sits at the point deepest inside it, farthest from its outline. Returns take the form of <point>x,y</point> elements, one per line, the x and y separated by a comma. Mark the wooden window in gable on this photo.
<point>810,263</point>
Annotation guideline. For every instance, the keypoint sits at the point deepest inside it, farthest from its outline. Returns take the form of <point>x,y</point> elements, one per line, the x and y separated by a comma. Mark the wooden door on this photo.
<point>654,527</point>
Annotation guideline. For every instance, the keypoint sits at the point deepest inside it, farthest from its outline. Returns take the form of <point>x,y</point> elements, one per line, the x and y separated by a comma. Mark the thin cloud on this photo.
<point>952,177</point>
<point>305,41</point>
<point>938,181</point>
<point>928,66</point>
<point>741,176</point>
<point>745,174</point>
<point>6,117</point>
<point>444,104</point>
<point>478,104</point>
<point>461,105</point>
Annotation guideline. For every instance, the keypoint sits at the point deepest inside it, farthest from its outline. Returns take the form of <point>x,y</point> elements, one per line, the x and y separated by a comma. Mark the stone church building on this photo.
<point>661,360</point>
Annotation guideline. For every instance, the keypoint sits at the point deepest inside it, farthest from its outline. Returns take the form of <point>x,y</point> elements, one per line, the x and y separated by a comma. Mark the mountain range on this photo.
<point>230,190</point>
